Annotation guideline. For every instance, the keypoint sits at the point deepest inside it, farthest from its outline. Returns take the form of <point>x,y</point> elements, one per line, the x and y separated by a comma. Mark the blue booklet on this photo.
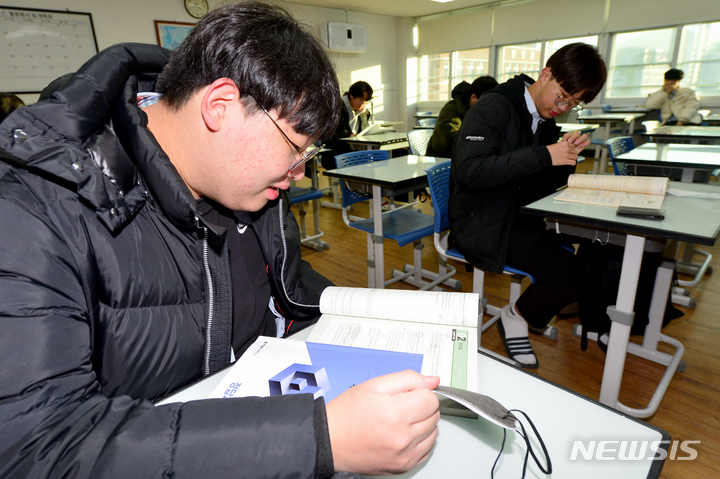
<point>273,367</point>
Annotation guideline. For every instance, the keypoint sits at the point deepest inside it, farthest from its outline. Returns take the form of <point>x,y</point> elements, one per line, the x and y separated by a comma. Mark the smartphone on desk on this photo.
<point>645,213</point>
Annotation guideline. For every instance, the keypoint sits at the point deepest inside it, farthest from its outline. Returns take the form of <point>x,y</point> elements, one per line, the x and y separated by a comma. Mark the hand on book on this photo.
<point>566,151</point>
<point>384,425</point>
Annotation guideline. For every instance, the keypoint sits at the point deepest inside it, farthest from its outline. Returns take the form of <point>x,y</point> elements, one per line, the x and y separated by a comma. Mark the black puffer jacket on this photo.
<point>498,165</point>
<point>105,300</point>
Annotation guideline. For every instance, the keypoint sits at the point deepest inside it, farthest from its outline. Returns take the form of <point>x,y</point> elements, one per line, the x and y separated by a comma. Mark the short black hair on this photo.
<point>359,88</point>
<point>579,68</point>
<point>270,57</point>
<point>482,84</point>
<point>9,102</point>
<point>674,74</point>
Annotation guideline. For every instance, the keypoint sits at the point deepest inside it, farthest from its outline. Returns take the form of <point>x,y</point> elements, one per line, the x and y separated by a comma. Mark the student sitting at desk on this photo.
<point>507,155</point>
<point>354,118</point>
<point>464,95</point>
<point>145,236</point>
<point>676,105</point>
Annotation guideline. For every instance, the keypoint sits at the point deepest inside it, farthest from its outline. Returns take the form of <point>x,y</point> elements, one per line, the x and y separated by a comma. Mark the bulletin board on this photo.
<point>37,46</point>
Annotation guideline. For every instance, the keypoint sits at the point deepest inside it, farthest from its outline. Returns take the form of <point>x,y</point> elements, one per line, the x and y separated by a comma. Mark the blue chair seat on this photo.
<point>403,226</point>
<point>299,194</point>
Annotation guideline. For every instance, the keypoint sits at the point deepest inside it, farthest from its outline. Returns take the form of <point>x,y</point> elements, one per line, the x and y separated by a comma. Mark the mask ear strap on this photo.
<point>529,450</point>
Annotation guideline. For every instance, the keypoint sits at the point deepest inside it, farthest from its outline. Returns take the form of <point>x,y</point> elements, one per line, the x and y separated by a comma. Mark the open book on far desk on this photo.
<point>375,128</point>
<point>608,190</point>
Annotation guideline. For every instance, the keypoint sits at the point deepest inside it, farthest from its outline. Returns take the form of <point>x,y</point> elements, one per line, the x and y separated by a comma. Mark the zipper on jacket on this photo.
<point>285,253</point>
<point>210,302</point>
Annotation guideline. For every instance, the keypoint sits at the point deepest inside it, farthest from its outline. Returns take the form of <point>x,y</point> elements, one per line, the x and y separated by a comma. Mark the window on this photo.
<point>552,46</point>
<point>699,58</point>
<point>470,64</point>
<point>434,77</point>
<point>516,59</point>
<point>638,61</point>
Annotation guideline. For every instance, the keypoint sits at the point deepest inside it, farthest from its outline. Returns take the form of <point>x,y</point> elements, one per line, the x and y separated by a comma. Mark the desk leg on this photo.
<point>620,333</point>
<point>602,168</point>
<point>378,238</point>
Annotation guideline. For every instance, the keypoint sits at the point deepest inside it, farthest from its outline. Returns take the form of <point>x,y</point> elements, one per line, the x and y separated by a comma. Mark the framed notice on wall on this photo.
<point>37,46</point>
<point>171,34</point>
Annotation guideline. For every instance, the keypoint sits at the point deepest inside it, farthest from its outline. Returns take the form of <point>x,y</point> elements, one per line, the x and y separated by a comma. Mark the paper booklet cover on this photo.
<point>274,367</point>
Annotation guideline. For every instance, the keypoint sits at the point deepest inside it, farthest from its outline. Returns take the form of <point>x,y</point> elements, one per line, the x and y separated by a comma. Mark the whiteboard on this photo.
<point>37,46</point>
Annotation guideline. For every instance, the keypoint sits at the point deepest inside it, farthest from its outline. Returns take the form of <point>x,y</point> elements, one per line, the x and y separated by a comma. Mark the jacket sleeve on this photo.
<point>690,106</point>
<point>477,150</point>
<point>55,420</point>
<point>656,100</point>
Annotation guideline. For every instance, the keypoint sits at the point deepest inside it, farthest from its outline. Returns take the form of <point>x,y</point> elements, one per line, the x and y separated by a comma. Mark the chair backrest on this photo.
<point>583,113</point>
<point>438,177</point>
<point>606,108</point>
<point>418,141</point>
<point>427,122</point>
<point>361,156</point>
<point>616,147</point>
<point>350,196</point>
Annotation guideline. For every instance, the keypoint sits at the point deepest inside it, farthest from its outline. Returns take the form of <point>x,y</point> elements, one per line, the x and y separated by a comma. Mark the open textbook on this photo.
<point>609,190</point>
<point>375,128</point>
<point>275,367</point>
<point>440,325</point>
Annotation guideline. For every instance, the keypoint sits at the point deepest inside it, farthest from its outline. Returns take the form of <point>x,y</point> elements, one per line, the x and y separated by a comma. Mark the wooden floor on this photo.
<point>691,407</point>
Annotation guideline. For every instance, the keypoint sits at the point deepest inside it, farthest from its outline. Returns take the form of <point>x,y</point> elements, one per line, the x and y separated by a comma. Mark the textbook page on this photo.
<point>371,130</point>
<point>440,325</point>
<point>609,190</point>
<point>630,184</point>
<point>610,198</point>
<point>439,307</point>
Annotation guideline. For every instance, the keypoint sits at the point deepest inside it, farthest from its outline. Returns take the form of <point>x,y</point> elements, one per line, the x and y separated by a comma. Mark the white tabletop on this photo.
<point>685,131</point>
<point>468,447</point>
<point>609,117</point>
<point>674,155</point>
<point>378,138</point>
<point>583,127</point>
<point>694,220</point>
<point>388,173</point>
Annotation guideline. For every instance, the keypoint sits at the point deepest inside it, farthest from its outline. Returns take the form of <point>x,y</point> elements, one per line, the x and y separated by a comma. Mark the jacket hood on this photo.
<point>514,90</point>
<point>71,136</point>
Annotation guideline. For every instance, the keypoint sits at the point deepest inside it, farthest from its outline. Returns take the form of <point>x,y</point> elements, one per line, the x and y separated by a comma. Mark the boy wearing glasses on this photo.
<point>507,155</point>
<point>145,238</point>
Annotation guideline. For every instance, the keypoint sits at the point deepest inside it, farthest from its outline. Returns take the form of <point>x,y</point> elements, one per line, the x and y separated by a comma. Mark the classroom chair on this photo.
<point>299,196</point>
<point>418,141</point>
<point>616,147</point>
<point>402,224</point>
<point>439,181</point>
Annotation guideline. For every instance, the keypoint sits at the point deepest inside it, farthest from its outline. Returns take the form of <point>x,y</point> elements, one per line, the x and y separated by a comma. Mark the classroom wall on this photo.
<point>118,21</point>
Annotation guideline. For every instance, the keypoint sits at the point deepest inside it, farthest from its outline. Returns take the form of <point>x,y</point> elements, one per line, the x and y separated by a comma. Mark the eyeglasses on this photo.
<point>562,100</point>
<point>304,155</point>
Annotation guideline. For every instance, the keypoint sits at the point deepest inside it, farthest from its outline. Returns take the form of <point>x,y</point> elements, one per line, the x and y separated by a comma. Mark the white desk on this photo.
<point>607,120</point>
<point>380,141</point>
<point>676,156</point>
<point>694,162</point>
<point>583,128</point>
<point>693,220</point>
<point>467,448</point>
<point>713,119</point>
<point>685,134</point>
<point>387,178</point>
